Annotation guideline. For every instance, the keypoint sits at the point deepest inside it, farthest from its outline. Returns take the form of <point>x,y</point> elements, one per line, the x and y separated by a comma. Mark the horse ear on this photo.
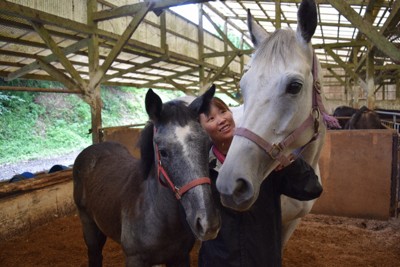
<point>307,19</point>
<point>153,105</point>
<point>257,33</point>
<point>202,103</point>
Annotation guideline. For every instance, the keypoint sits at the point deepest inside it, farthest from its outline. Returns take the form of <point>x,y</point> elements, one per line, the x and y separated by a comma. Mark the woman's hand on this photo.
<point>280,166</point>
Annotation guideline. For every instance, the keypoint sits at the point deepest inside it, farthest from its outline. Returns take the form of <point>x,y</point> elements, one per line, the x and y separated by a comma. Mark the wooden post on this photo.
<point>370,80</point>
<point>278,14</point>
<point>94,94</point>
<point>398,86</point>
<point>202,82</point>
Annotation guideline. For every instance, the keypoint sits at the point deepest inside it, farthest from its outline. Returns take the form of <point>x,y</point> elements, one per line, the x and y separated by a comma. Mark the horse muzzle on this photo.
<point>206,227</point>
<point>240,197</point>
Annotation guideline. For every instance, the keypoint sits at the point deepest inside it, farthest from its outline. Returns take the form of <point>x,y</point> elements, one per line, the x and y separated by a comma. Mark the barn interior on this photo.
<point>187,45</point>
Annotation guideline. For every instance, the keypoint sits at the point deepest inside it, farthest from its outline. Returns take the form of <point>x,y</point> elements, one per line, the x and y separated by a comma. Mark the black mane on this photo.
<point>358,113</point>
<point>174,112</point>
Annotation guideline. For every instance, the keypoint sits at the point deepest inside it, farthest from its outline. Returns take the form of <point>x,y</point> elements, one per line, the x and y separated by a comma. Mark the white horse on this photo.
<point>282,112</point>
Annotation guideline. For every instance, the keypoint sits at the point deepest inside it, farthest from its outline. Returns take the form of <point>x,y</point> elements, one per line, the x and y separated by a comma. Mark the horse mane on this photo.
<point>365,118</point>
<point>173,112</point>
<point>358,113</point>
<point>277,47</point>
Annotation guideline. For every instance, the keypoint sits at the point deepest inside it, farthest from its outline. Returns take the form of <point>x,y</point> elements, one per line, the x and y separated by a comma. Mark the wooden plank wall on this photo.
<point>125,135</point>
<point>359,174</point>
<point>29,203</point>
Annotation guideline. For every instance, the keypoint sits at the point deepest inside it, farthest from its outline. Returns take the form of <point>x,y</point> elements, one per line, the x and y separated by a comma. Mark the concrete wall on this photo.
<point>357,173</point>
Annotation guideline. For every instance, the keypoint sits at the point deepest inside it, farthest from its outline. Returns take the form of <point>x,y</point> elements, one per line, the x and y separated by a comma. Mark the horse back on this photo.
<point>106,176</point>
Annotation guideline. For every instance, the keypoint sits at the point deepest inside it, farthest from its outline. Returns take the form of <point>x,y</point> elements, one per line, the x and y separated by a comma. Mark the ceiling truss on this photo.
<point>40,45</point>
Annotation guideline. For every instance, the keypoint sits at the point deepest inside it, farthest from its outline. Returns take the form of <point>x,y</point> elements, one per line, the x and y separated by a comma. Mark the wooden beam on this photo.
<point>370,80</point>
<point>341,44</point>
<point>58,52</point>
<point>37,89</point>
<point>180,87</point>
<point>148,85</point>
<point>29,14</point>
<point>221,33</point>
<point>133,25</point>
<point>135,68</point>
<point>222,69</point>
<point>393,18</point>
<point>228,53</point>
<point>92,92</point>
<point>366,28</point>
<point>38,16</point>
<point>50,58</point>
<point>278,21</point>
<point>349,71</point>
<point>58,75</point>
<point>133,9</point>
<point>117,12</point>
<point>341,82</point>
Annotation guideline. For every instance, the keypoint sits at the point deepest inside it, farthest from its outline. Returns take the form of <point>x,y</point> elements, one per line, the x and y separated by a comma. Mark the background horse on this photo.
<point>343,114</point>
<point>282,111</point>
<point>129,200</point>
<point>364,118</point>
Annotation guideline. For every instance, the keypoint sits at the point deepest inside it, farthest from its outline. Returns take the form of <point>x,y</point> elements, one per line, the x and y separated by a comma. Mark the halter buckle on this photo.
<point>317,86</point>
<point>275,151</point>
<point>316,113</point>
<point>177,195</point>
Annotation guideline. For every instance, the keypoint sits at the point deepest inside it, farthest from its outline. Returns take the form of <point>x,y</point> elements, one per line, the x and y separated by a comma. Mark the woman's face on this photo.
<point>219,124</point>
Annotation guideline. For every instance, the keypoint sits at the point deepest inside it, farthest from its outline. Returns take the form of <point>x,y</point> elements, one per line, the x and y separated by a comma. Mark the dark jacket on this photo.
<point>253,238</point>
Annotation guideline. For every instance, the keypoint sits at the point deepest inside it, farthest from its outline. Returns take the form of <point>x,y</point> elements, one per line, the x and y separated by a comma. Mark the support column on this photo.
<point>94,94</point>
<point>398,86</point>
<point>278,14</point>
<point>202,83</point>
<point>370,80</point>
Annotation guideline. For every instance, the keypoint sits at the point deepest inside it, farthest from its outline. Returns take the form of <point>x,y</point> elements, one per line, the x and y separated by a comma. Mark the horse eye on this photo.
<point>163,153</point>
<point>294,88</point>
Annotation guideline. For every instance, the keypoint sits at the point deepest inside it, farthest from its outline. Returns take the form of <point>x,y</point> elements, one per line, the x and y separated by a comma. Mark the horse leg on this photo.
<point>292,212</point>
<point>288,229</point>
<point>94,239</point>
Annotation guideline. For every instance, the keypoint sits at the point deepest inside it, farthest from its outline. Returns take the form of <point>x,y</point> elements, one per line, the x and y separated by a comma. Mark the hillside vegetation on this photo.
<point>35,125</point>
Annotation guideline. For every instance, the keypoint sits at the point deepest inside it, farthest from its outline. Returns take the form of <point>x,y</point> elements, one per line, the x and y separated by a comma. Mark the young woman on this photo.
<point>251,238</point>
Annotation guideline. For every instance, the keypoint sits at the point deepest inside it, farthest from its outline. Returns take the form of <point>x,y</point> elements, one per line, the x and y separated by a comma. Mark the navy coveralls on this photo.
<point>253,238</point>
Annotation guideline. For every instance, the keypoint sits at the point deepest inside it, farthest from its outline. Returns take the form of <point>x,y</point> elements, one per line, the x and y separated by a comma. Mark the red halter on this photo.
<point>275,150</point>
<point>178,191</point>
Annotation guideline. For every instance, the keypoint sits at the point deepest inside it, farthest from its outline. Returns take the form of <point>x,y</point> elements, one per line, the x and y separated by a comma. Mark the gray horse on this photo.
<point>152,206</point>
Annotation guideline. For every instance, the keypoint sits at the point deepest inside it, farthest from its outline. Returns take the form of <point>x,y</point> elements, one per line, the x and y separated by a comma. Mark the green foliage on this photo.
<point>35,125</point>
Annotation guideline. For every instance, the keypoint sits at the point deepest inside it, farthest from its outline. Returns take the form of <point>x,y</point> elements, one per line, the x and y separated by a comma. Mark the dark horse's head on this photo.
<point>364,118</point>
<point>174,134</point>
<point>343,113</point>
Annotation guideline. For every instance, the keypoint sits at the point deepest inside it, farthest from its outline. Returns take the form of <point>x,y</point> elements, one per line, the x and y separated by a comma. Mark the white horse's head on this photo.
<point>277,90</point>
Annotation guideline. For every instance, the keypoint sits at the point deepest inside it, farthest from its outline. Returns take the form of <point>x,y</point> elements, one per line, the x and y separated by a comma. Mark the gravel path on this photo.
<point>7,171</point>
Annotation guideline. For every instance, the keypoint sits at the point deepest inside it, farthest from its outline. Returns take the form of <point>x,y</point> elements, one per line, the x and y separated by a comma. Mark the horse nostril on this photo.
<point>206,227</point>
<point>199,226</point>
<point>243,191</point>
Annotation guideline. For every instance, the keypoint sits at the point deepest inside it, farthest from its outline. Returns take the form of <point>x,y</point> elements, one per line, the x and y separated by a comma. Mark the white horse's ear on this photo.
<point>307,20</point>
<point>257,33</point>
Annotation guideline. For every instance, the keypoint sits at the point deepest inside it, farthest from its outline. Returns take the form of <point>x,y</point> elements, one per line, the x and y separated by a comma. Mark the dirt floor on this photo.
<point>318,241</point>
